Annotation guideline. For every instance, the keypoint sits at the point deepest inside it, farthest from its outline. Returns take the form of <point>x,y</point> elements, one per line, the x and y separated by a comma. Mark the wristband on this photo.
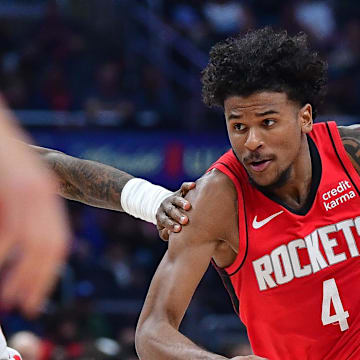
<point>141,199</point>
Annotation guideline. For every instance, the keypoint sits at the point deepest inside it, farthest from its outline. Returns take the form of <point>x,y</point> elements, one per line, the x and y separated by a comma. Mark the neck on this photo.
<point>296,190</point>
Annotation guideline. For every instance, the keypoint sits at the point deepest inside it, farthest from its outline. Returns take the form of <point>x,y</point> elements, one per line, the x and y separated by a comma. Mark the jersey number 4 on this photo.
<point>331,295</point>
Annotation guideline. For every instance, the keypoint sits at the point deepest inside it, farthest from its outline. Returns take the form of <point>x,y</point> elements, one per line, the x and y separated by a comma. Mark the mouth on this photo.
<point>259,166</point>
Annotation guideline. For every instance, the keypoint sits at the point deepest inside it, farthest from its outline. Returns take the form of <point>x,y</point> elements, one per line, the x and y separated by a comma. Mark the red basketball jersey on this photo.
<point>295,281</point>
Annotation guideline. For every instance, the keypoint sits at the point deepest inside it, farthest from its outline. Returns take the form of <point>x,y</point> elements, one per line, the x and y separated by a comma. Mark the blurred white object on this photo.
<point>225,17</point>
<point>27,343</point>
<point>317,17</point>
<point>107,346</point>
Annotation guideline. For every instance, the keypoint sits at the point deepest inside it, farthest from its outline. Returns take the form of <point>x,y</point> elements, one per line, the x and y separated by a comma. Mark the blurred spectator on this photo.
<point>55,92</point>
<point>154,99</point>
<point>92,58</point>
<point>63,339</point>
<point>344,71</point>
<point>347,52</point>
<point>316,18</point>
<point>118,262</point>
<point>228,17</point>
<point>108,104</point>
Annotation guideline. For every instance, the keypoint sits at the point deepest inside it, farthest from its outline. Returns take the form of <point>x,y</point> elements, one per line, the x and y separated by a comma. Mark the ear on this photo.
<point>305,118</point>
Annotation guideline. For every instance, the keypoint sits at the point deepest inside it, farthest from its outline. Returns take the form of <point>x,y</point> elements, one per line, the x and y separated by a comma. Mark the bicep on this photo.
<point>190,251</point>
<point>176,279</point>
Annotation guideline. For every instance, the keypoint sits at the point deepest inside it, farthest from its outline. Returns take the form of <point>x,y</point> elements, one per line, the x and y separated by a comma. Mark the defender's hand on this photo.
<point>170,215</point>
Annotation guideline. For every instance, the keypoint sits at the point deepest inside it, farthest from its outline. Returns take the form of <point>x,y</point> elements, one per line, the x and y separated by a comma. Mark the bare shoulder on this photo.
<point>212,184</point>
<point>213,204</point>
<point>214,192</point>
<point>350,136</point>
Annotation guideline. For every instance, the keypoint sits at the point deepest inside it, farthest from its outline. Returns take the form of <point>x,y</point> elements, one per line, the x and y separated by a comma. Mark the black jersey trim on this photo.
<point>339,158</point>
<point>315,182</point>
<point>246,227</point>
<point>225,278</point>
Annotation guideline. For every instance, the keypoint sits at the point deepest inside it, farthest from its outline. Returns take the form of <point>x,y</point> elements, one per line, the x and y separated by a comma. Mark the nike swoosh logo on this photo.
<point>258,224</point>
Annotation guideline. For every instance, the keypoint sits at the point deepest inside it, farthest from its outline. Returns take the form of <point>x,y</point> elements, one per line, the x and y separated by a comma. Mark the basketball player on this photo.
<point>278,214</point>
<point>33,226</point>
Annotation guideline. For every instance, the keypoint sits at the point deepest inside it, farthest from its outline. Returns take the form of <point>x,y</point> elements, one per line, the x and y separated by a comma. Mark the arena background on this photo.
<point>118,81</point>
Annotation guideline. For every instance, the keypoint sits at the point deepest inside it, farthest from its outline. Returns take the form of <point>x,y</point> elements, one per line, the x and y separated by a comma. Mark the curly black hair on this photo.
<point>261,60</point>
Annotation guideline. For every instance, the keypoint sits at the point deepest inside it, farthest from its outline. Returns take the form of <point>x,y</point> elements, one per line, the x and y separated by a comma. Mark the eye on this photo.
<point>268,122</point>
<point>239,126</point>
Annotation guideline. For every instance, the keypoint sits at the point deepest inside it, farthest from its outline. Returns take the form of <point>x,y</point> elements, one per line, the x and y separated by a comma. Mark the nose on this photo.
<point>253,140</point>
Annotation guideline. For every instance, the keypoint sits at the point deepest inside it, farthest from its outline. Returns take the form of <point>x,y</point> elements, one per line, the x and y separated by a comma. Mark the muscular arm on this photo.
<point>179,273</point>
<point>87,181</point>
<point>350,136</point>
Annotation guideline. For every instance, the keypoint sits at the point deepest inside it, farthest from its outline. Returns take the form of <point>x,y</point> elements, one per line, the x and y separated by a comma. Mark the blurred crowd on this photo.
<point>137,64</point>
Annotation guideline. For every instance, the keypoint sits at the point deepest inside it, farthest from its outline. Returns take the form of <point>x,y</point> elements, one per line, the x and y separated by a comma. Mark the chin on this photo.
<point>260,183</point>
<point>271,184</point>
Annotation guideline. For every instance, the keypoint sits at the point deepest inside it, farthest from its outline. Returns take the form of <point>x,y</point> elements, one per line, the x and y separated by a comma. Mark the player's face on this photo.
<point>267,133</point>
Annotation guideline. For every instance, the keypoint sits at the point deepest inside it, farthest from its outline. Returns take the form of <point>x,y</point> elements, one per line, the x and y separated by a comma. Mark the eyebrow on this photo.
<point>239,116</point>
<point>269,112</point>
<point>234,116</point>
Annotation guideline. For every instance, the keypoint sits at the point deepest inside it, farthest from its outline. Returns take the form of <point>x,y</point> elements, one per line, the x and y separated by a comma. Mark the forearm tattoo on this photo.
<point>350,136</point>
<point>90,182</point>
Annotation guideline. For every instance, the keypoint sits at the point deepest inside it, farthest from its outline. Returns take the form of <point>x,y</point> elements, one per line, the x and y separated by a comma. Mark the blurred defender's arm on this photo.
<point>33,227</point>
